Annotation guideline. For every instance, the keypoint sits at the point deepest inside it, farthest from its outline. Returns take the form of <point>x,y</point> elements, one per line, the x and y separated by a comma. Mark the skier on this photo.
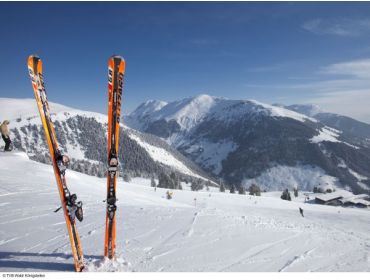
<point>169,194</point>
<point>301,211</point>
<point>5,135</point>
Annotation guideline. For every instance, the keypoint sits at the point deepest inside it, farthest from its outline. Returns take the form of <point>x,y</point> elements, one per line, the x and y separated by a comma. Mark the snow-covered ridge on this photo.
<point>148,107</point>
<point>280,112</point>
<point>191,111</point>
<point>306,109</point>
<point>21,110</point>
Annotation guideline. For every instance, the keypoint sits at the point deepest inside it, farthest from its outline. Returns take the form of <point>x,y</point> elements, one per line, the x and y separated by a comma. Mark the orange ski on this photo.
<point>116,71</point>
<point>71,208</point>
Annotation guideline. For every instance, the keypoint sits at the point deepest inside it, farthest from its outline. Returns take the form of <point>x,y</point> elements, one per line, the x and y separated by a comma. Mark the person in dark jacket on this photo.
<point>5,135</point>
<point>301,211</point>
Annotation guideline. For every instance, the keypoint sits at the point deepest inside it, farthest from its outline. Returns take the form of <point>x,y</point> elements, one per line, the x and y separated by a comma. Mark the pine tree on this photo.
<point>175,181</point>
<point>164,181</point>
<point>152,183</point>
<point>197,185</point>
<point>232,189</point>
<point>254,190</point>
<point>286,195</point>
<point>241,190</point>
<point>126,177</point>
<point>295,192</point>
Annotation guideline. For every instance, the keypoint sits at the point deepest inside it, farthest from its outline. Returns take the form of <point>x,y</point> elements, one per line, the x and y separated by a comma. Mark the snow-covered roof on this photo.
<point>334,195</point>
<point>345,197</point>
<point>356,199</point>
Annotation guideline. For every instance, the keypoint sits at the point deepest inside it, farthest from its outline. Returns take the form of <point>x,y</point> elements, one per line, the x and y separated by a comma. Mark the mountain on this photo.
<point>246,141</point>
<point>82,136</point>
<point>358,131</point>
<point>221,232</point>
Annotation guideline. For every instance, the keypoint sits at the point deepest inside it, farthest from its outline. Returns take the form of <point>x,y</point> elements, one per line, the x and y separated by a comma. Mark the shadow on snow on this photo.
<point>9,260</point>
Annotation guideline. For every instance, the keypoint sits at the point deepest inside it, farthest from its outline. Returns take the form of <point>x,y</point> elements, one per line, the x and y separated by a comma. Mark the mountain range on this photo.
<point>275,146</point>
<point>237,141</point>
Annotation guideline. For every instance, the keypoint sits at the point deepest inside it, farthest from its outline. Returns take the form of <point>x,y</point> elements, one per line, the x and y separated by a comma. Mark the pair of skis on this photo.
<point>72,208</point>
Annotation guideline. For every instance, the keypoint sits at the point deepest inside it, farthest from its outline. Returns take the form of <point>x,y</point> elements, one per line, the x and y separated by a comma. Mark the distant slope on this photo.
<point>357,131</point>
<point>82,135</point>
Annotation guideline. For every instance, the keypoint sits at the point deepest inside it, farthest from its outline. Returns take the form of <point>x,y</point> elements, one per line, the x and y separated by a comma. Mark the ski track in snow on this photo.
<point>221,232</point>
<point>296,259</point>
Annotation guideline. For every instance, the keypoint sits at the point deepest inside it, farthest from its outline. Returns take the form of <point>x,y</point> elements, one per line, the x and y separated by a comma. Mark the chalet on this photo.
<point>329,199</point>
<point>343,198</point>
<point>332,198</point>
<point>360,201</point>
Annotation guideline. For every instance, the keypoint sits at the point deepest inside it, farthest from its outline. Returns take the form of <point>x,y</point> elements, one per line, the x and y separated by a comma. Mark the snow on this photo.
<point>280,112</point>
<point>189,112</point>
<point>329,196</point>
<point>212,154</point>
<point>306,109</point>
<point>164,157</point>
<point>24,112</point>
<point>326,134</point>
<point>357,175</point>
<point>149,107</point>
<point>329,134</point>
<point>222,232</point>
<point>142,111</point>
<point>303,177</point>
<point>13,109</point>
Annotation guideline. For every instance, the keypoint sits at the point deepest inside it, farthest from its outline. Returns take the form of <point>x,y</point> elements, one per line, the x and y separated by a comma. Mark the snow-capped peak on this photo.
<point>148,107</point>
<point>186,112</point>
<point>190,111</point>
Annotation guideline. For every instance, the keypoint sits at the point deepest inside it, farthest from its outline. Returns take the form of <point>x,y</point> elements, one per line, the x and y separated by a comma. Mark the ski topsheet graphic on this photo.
<point>71,208</point>
<point>116,71</point>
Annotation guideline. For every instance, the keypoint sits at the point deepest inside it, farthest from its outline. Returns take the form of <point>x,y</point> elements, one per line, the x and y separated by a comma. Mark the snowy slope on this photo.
<point>23,111</point>
<point>217,232</point>
<point>306,109</point>
<point>302,177</point>
<point>24,117</point>
<point>164,157</point>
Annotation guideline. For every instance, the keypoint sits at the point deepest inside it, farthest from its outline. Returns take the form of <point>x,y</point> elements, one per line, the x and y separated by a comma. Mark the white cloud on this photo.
<point>340,27</point>
<point>352,103</point>
<point>349,96</point>
<point>356,68</point>
<point>342,88</point>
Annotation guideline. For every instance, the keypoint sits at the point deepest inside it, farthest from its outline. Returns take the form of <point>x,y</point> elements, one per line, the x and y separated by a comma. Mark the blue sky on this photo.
<point>283,52</point>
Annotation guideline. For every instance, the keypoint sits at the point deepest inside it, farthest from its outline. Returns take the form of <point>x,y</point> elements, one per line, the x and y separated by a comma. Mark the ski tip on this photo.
<point>117,57</point>
<point>32,56</point>
<point>33,60</point>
